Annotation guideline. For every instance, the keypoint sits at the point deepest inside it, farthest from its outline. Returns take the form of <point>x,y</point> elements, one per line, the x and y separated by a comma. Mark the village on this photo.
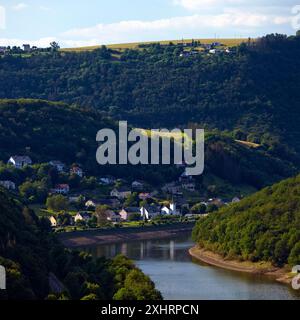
<point>187,49</point>
<point>111,201</point>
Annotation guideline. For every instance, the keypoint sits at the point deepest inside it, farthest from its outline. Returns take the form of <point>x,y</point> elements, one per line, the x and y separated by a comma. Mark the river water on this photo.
<point>179,277</point>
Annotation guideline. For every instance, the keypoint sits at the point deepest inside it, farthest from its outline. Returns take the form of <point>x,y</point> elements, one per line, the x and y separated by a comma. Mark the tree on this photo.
<point>132,200</point>
<point>54,46</point>
<point>57,203</point>
<point>199,208</point>
<point>138,286</point>
<point>135,217</point>
<point>212,208</point>
<point>298,33</point>
<point>101,215</point>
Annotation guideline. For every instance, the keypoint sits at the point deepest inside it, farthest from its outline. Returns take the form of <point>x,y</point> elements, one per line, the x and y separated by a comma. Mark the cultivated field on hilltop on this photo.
<point>136,45</point>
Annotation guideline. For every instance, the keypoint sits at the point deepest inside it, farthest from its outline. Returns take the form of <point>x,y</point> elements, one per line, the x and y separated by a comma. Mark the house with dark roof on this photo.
<point>20,162</point>
<point>149,212</point>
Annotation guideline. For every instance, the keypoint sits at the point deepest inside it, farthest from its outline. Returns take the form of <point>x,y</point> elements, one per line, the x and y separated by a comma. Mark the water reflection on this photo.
<point>178,276</point>
<point>169,250</point>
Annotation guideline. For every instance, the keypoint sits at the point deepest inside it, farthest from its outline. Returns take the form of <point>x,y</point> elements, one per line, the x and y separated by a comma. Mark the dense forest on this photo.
<point>39,267</point>
<point>253,92</point>
<point>262,227</point>
<point>49,130</point>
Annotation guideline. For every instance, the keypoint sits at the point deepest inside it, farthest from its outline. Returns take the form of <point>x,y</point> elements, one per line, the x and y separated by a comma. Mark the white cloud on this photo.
<point>135,30</point>
<point>200,4</point>
<point>231,21</point>
<point>20,6</point>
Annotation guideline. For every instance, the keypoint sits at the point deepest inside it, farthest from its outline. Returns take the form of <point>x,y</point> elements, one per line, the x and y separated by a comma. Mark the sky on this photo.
<point>93,22</point>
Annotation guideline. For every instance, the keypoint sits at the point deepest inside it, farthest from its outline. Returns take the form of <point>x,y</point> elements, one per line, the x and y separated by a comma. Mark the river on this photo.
<point>179,277</point>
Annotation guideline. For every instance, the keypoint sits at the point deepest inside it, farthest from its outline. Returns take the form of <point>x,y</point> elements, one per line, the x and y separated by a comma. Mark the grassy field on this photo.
<point>248,144</point>
<point>135,45</point>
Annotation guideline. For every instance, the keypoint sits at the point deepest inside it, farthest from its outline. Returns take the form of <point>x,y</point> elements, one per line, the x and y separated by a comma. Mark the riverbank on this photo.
<point>111,236</point>
<point>258,268</point>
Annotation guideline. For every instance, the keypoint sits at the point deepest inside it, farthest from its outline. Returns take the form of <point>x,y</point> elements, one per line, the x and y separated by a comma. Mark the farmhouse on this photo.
<point>112,216</point>
<point>19,162</point>
<point>137,185</point>
<point>9,185</point>
<point>149,212</point>
<point>53,222</point>
<point>169,210</point>
<point>26,47</point>
<point>109,180</point>
<point>144,196</point>
<point>127,212</point>
<point>77,171</point>
<point>189,186</point>
<point>120,193</point>
<point>172,188</point>
<point>61,189</point>
<point>58,165</point>
<point>82,216</point>
<point>236,200</point>
<point>76,198</point>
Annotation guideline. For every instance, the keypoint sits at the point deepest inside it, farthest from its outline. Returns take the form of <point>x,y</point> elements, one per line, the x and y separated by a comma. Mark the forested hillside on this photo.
<point>38,267</point>
<point>46,131</point>
<point>263,227</point>
<point>253,92</point>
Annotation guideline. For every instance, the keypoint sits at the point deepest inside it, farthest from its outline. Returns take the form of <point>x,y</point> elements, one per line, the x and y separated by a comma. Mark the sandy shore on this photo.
<point>262,268</point>
<point>103,237</point>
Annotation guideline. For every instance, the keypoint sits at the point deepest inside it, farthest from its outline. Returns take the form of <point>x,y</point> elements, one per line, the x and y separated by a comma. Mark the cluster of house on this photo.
<point>210,48</point>
<point>118,212</point>
<point>146,212</point>
<point>185,182</point>
<point>20,162</point>
<point>26,49</point>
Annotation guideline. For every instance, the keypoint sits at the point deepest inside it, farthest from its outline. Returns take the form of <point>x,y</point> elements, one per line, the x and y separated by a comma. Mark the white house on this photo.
<point>137,185</point>
<point>236,200</point>
<point>120,193</point>
<point>189,186</point>
<point>127,212</point>
<point>172,188</point>
<point>149,212</point>
<point>58,165</point>
<point>9,185</point>
<point>53,222</point>
<point>169,210</point>
<point>109,180</point>
<point>19,161</point>
<point>26,47</point>
<point>61,189</point>
<point>187,182</point>
<point>77,171</point>
<point>92,204</point>
<point>74,199</point>
<point>82,216</point>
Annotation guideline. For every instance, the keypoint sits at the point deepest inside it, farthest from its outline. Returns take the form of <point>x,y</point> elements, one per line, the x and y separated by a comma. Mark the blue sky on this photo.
<point>91,22</point>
